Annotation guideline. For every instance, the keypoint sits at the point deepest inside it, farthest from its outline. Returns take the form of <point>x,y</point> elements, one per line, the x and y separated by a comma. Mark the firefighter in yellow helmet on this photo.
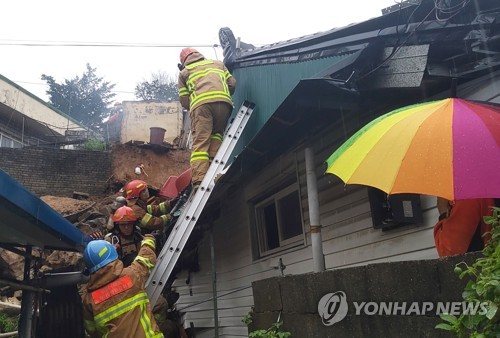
<point>205,89</point>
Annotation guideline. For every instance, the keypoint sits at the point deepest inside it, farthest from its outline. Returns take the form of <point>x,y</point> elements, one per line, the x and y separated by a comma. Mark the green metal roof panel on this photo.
<point>268,86</point>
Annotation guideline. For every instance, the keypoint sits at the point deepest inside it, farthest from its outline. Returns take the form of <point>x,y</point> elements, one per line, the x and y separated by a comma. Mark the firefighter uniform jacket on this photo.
<point>151,217</point>
<point>115,304</point>
<point>204,81</point>
<point>128,246</point>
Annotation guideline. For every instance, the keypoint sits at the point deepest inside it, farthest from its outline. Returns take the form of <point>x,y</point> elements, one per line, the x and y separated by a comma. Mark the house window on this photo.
<point>279,221</point>
<point>7,142</point>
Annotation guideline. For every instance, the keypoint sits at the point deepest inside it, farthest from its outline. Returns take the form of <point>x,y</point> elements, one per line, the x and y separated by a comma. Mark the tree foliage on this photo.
<point>85,98</point>
<point>160,87</point>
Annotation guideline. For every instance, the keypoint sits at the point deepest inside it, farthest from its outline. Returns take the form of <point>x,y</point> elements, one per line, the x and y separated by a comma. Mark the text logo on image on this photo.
<point>332,307</point>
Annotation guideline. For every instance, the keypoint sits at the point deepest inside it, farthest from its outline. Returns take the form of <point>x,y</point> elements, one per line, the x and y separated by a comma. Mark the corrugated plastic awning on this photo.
<point>25,220</point>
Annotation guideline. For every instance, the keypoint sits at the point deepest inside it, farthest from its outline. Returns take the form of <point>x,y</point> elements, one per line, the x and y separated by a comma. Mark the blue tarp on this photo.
<point>26,220</point>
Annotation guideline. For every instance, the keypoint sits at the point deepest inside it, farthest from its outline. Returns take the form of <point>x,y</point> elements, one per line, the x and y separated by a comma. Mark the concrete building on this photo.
<point>133,120</point>
<point>26,120</point>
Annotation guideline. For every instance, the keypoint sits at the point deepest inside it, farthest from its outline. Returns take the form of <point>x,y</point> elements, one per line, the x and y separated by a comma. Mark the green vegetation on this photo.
<point>275,331</point>
<point>85,98</point>
<point>161,87</point>
<point>8,324</point>
<point>483,288</point>
<point>94,145</point>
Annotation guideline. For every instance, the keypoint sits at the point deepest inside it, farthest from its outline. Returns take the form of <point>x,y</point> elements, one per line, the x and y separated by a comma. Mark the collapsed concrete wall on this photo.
<point>298,300</point>
<point>140,116</point>
<point>58,172</point>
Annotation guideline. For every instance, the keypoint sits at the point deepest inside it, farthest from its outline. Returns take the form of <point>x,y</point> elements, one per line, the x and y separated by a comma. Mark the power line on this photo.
<point>45,84</point>
<point>30,43</point>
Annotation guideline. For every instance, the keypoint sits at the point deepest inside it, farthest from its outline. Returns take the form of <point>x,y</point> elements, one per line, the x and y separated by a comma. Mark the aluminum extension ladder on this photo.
<point>194,206</point>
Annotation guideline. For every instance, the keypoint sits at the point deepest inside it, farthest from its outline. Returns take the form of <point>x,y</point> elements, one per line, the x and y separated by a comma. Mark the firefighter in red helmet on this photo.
<point>150,216</point>
<point>127,238</point>
<point>205,89</point>
<point>125,235</point>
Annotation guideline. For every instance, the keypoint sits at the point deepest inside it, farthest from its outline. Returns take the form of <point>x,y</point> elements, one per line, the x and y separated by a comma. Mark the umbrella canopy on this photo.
<point>448,148</point>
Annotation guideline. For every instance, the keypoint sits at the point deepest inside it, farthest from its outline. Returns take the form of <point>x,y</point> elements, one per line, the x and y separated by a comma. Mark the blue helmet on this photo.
<point>99,253</point>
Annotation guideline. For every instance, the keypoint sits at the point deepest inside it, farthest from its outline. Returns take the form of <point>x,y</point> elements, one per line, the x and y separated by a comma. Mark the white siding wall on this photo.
<point>348,235</point>
<point>348,239</point>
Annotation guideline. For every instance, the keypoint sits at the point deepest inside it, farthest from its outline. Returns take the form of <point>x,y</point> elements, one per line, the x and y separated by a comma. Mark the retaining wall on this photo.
<point>58,172</point>
<point>296,298</point>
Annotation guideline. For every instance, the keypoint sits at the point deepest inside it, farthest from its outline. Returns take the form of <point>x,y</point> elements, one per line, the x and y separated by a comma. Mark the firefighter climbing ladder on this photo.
<point>194,206</point>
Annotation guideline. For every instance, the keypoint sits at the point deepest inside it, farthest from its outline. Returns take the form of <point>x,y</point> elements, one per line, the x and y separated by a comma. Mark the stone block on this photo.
<point>263,320</point>
<point>267,295</point>
<point>310,325</point>
<point>303,292</point>
<point>451,285</point>
<point>406,281</point>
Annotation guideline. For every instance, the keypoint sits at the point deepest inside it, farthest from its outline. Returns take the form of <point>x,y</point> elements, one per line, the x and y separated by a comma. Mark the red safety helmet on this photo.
<point>124,214</point>
<point>134,188</point>
<point>185,52</point>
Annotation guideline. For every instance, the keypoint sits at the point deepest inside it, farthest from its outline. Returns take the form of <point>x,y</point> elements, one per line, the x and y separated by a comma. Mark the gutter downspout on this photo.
<point>312,197</point>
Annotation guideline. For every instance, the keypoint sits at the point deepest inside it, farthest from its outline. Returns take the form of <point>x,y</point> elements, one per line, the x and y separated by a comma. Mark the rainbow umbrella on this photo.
<point>448,148</point>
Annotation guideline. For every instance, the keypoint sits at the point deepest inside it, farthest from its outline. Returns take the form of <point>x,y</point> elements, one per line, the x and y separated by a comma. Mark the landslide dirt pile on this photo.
<point>67,206</point>
<point>158,166</point>
<point>92,214</point>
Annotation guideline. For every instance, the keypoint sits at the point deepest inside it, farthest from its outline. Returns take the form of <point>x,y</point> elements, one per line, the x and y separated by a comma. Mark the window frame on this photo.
<point>13,143</point>
<point>260,225</point>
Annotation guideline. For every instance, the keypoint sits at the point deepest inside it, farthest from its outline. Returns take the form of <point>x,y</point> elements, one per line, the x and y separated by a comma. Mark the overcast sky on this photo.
<point>173,23</point>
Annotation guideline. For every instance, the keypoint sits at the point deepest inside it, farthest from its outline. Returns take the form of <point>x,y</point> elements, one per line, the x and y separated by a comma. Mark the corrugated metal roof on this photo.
<point>268,86</point>
<point>268,75</point>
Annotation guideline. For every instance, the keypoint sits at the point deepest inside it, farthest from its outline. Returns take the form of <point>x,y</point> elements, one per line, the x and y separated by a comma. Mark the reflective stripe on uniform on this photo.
<point>204,72</point>
<point>183,91</point>
<point>199,63</point>
<point>196,99</point>
<point>165,219</point>
<point>149,208</point>
<point>141,300</point>
<point>163,207</point>
<point>209,96</point>
<point>145,261</point>
<point>149,242</point>
<point>145,219</point>
<point>199,156</point>
<point>146,324</point>
<point>216,136</point>
<point>89,325</point>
